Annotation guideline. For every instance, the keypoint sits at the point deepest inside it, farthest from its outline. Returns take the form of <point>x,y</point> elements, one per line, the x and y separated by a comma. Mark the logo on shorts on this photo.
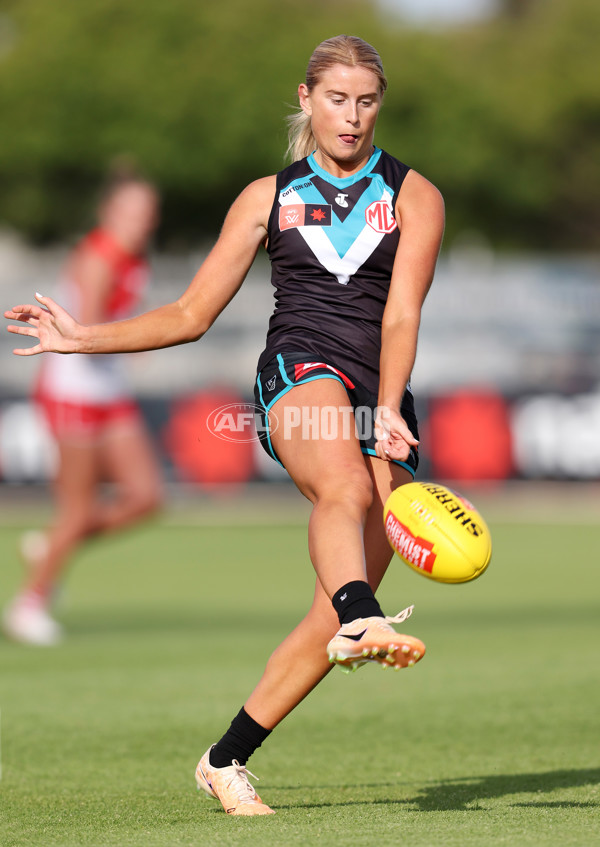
<point>301,370</point>
<point>270,383</point>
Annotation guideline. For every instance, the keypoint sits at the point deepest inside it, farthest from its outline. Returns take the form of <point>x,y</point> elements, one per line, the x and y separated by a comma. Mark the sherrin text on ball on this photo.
<point>437,532</point>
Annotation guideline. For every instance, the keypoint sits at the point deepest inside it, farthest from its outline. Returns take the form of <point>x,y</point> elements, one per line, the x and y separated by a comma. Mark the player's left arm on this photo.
<point>420,218</point>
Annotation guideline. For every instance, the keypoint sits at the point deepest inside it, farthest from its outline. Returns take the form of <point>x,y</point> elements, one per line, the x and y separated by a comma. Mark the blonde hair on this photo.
<point>340,50</point>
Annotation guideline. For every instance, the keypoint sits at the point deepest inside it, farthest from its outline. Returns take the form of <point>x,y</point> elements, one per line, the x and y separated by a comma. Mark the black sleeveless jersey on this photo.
<point>332,244</point>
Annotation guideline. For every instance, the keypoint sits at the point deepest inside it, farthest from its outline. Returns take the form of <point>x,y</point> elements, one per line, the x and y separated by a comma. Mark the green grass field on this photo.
<point>492,740</point>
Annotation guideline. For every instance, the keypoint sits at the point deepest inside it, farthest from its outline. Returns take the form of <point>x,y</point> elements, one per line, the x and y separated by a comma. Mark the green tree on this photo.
<point>195,92</point>
<point>503,116</point>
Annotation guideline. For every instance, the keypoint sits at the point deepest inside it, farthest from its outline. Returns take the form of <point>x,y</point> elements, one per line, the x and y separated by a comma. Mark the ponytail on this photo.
<point>301,141</point>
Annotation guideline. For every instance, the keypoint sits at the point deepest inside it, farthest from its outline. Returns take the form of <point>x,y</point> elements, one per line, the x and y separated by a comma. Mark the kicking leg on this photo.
<point>300,662</point>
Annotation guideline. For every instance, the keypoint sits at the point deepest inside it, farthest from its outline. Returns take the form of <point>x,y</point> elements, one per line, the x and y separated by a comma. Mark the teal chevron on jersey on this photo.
<point>347,230</point>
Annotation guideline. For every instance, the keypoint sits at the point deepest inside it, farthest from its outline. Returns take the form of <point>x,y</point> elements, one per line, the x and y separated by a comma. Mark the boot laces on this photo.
<point>401,616</point>
<point>240,784</point>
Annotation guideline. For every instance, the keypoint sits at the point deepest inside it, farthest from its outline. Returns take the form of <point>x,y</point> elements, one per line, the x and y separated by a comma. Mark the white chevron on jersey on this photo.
<point>342,267</point>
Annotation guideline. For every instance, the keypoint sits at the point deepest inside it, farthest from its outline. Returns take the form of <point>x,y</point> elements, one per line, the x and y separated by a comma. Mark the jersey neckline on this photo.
<point>343,182</point>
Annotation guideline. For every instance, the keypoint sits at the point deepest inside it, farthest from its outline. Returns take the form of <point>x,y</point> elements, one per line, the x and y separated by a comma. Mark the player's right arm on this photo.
<point>186,319</point>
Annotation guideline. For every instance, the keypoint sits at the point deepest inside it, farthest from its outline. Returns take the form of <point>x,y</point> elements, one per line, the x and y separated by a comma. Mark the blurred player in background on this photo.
<point>97,426</point>
<point>353,236</point>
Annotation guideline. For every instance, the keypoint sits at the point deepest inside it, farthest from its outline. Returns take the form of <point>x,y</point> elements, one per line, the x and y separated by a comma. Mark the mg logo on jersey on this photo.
<point>379,216</point>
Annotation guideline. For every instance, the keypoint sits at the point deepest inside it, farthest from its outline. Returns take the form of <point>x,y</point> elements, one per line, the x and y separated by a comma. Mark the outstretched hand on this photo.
<point>54,328</point>
<point>394,438</point>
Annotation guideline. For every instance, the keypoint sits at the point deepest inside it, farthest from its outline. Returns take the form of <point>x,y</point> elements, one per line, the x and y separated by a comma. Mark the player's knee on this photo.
<point>353,489</point>
<point>362,492</point>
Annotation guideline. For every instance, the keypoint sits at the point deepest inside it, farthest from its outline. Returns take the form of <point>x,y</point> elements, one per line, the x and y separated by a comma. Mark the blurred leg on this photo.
<point>128,460</point>
<point>122,454</point>
<point>74,494</point>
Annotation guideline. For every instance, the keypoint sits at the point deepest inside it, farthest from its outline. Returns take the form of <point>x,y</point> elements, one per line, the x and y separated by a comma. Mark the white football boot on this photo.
<point>27,621</point>
<point>231,786</point>
<point>374,640</point>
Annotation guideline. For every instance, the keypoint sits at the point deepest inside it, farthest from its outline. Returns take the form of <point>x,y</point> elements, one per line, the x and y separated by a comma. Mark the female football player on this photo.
<point>97,426</point>
<point>353,237</point>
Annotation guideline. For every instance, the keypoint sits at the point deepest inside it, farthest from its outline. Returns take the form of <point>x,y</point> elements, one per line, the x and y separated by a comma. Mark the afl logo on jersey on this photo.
<point>379,216</point>
<point>304,214</point>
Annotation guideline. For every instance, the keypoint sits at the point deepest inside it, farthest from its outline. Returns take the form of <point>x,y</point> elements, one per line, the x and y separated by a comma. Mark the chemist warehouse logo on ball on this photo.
<point>413,548</point>
<point>241,422</point>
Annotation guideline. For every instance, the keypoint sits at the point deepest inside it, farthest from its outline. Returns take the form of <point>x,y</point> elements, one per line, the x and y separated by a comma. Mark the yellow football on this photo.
<point>437,532</point>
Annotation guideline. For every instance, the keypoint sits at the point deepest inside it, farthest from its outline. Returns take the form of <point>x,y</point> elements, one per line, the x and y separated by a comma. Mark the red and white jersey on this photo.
<point>95,378</point>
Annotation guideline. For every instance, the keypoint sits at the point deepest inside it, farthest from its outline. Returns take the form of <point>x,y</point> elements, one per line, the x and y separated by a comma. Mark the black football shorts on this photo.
<point>287,370</point>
